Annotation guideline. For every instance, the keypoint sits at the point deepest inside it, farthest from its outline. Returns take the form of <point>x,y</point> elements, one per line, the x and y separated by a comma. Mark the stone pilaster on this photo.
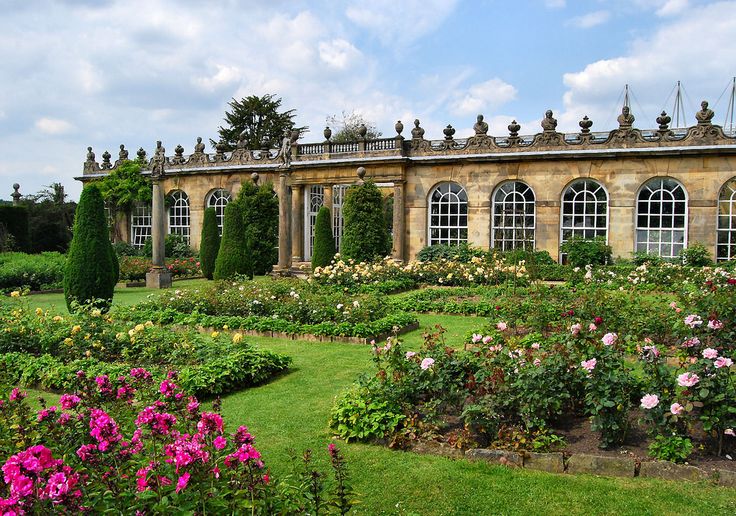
<point>158,277</point>
<point>297,223</point>
<point>548,227</point>
<point>399,221</point>
<point>328,199</point>
<point>622,227</point>
<point>284,223</point>
<point>702,223</point>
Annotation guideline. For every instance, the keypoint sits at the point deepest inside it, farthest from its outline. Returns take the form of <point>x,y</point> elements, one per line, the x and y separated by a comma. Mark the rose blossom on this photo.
<point>427,363</point>
<point>487,339</point>
<point>693,320</point>
<point>477,337</point>
<point>502,326</point>
<point>729,431</point>
<point>592,327</point>
<point>676,409</point>
<point>715,324</point>
<point>575,328</point>
<point>722,362</point>
<point>649,401</point>
<point>689,343</point>
<point>688,379</point>
<point>410,354</point>
<point>609,339</point>
<point>710,353</point>
<point>589,364</point>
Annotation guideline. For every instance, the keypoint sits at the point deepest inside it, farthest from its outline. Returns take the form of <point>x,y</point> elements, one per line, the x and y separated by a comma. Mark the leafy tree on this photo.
<point>324,240</point>
<point>261,220</point>
<point>210,243</point>
<point>122,188</point>
<point>346,126</point>
<point>90,273</point>
<point>234,256</point>
<point>256,118</point>
<point>365,236</point>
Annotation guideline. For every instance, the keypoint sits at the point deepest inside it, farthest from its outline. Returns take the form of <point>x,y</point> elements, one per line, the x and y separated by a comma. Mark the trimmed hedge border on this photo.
<point>557,462</point>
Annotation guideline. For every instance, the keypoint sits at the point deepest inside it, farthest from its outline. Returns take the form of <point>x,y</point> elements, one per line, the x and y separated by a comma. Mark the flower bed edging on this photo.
<point>556,462</point>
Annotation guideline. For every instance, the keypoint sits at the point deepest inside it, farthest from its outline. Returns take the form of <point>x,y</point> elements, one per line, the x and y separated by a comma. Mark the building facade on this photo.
<point>642,190</point>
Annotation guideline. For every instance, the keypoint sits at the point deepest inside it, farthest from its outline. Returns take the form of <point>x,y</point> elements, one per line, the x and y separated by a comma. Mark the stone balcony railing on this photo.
<point>549,140</point>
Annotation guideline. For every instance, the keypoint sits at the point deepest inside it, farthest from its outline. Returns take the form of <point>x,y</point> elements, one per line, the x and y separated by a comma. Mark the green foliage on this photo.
<point>696,255</point>
<point>359,415</point>
<point>234,256</point>
<point>20,271</point>
<point>324,240</point>
<point>175,246</point>
<point>539,258</point>
<point>347,125</point>
<point>209,243</point>
<point>581,252</point>
<point>365,236</point>
<point>125,249</point>
<point>642,257</point>
<point>260,215</point>
<point>16,222</point>
<point>256,119</point>
<point>673,448</point>
<point>50,221</point>
<point>123,187</point>
<point>90,273</point>
<point>462,252</point>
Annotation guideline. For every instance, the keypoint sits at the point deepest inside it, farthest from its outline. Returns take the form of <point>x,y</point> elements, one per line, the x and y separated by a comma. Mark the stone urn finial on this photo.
<point>90,154</point>
<point>16,194</point>
<point>449,132</point>
<point>514,128</point>
<point>254,177</point>
<point>328,133</point>
<point>106,160</point>
<point>398,126</point>
<point>362,131</point>
<point>141,154</point>
<point>361,173</point>
<point>585,125</point>
<point>664,121</point>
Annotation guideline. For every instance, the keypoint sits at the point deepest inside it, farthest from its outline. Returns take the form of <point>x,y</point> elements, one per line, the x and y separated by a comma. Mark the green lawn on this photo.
<point>291,413</point>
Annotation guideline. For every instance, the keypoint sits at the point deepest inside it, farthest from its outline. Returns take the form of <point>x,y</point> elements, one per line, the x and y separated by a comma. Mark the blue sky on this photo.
<point>98,73</point>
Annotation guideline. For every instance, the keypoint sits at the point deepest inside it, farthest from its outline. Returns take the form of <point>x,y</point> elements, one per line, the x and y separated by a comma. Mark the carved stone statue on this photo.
<point>199,147</point>
<point>549,123</point>
<point>123,154</point>
<point>705,115</point>
<point>286,149</point>
<point>480,127</point>
<point>418,132</point>
<point>159,160</point>
<point>625,119</point>
<point>90,155</point>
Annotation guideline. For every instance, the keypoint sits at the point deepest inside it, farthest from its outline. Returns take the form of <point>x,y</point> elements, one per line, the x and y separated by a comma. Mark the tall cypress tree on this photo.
<point>365,236</point>
<point>90,273</point>
<point>210,243</point>
<point>234,256</point>
<point>324,240</point>
<point>261,219</point>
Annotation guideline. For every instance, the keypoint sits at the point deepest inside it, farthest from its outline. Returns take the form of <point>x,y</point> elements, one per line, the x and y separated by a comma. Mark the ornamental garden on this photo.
<point>442,384</point>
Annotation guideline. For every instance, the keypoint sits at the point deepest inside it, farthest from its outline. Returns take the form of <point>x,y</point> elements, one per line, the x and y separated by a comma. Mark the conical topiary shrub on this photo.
<point>234,256</point>
<point>261,218</point>
<point>324,241</point>
<point>90,273</point>
<point>365,236</point>
<point>210,243</point>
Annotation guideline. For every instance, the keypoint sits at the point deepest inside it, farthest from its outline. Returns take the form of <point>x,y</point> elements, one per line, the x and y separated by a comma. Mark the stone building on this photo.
<point>643,190</point>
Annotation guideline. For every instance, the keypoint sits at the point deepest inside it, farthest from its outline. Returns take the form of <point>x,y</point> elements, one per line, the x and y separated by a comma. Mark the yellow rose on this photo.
<point>215,334</point>
<point>76,329</point>
<point>68,341</point>
<point>149,324</point>
<point>15,293</point>
<point>139,327</point>
<point>237,338</point>
<point>39,312</point>
<point>58,318</point>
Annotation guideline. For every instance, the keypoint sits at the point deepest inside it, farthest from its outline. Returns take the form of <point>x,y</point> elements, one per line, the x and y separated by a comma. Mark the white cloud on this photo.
<point>400,23</point>
<point>586,21</point>
<point>485,95</point>
<point>53,126</point>
<point>338,53</point>
<point>223,77</point>
<point>672,7</point>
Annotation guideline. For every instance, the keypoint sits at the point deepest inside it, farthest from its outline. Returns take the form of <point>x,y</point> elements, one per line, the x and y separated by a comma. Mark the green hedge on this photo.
<point>32,271</point>
<point>15,219</point>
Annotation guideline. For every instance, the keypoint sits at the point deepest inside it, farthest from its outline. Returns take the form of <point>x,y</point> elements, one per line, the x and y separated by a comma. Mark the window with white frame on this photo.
<point>726,233</point>
<point>218,200</point>
<point>661,218</point>
<point>448,214</point>
<point>140,225</point>
<point>179,214</point>
<point>513,217</point>
<point>314,200</point>
<point>338,198</point>
<point>584,211</point>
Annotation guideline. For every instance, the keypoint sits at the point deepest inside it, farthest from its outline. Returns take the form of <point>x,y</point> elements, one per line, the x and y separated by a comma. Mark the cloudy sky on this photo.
<point>78,73</point>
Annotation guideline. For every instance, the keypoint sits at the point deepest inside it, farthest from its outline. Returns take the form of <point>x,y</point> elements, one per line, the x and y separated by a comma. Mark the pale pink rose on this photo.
<point>609,339</point>
<point>688,379</point>
<point>715,324</point>
<point>710,353</point>
<point>502,326</point>
<point>729,431</point>
<point>673,305</point>
<point>575,328</point>
<point>592,327</point>
<point>487,339</point>
<point>536,345</point>
<point>689,343</point>
<point>427,363</point>
<point>651,349</point>
<point>537,362</point>
<point>722,362</point>
<point>647,340</point>
<point>676,409</point>
<point>693,321</point>
<point>649,401</point>
<point>589,365</point>
<point>409,354</point>
<point>477,337</point>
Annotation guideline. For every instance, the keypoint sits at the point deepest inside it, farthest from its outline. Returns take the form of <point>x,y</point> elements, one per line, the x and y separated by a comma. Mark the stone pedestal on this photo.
<point>158,278</point>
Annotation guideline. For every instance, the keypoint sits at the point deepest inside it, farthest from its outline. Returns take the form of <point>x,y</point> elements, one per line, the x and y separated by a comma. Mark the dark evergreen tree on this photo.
<point>233,257</point>
<point>261,219</point>
<point>365,236</point>
<point>90,274</point>
<point>324,240</point>
<point>209,244</point>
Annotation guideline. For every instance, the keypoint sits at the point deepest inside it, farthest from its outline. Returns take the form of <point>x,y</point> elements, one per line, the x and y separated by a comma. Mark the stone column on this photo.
<point>548,227</point>
<point>328,200</point>
<point>297,223</point>
<point>158,277</point>
<point>399,219</point>
<point>284,223</point>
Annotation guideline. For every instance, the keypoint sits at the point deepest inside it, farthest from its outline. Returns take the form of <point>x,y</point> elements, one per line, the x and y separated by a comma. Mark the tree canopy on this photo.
<point>257,119</point>
<point>123,187</point>
<point>345,127</point>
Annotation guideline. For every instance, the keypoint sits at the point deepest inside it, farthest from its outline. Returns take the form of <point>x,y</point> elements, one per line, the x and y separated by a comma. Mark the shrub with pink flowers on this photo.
<point>131,444</point>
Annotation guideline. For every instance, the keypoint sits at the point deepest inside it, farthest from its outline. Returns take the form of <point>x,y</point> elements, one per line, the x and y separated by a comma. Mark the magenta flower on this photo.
<point>220,442</point>
<point>427,363</point>
<point>69,401</point>
<point>676,409</point>
<point>722,362</point>
<point>210,422</point>
<point>17,394</point>
<point>649,401</point>
<point>589,365</point>
<point>688,379</point>
<point>710,353</point>
<point>609,339</point>
<point>182,482</point>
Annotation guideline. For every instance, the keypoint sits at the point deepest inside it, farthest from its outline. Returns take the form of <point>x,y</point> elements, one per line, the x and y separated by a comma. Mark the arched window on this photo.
<point>584,211</point>
<point>661,218</point>
<point>314,200</point>
<point>140,225</point>
<point>448,214</point>
<point>179,214</point>
<point>218,200</point>
<point>338,198</point>
<point>513,217</point>
<point>726,242</point>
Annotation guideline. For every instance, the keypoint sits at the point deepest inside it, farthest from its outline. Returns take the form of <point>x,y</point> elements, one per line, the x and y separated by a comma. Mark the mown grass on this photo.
<point>290,414</point>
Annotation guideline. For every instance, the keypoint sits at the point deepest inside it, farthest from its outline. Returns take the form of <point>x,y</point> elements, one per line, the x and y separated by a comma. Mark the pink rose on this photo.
<point>688,379</point>
<point>710,353</point>
<point>502,326</point>
<point>729,431</point>
<point>427,363</point>
<point>693,321</point>
<point>609,339</point>
<point>477,337</point>
<point>487,339</point>
<point>575,328</point>
<point>410,354</point>
<point>592,327</point>
<point>722,362</point>
<point>649,401</point>
<point>676,409</point>
<point>689,343</point>
<point>589,365</point>
<point>715,324</point>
